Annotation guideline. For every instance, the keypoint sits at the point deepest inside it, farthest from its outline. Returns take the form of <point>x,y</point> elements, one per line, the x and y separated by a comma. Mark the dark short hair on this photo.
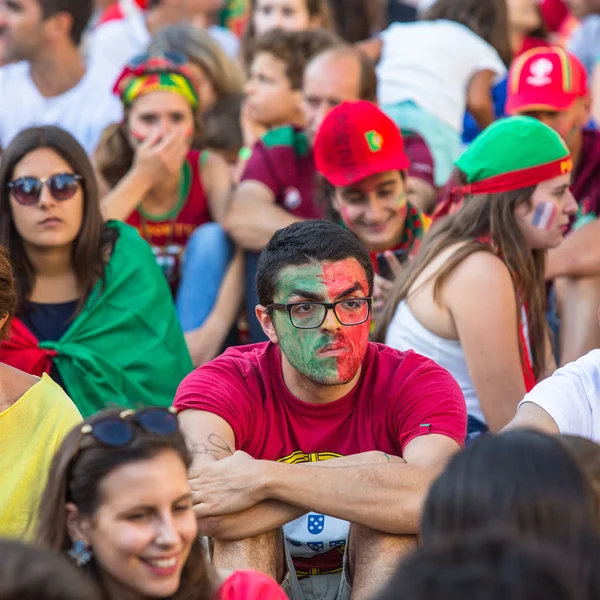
<point>293,48</point>
<point>487,566</point>
<point>80,10</point>
<point>303,243</point>
<point>222,130</point>
<point>28,573</point>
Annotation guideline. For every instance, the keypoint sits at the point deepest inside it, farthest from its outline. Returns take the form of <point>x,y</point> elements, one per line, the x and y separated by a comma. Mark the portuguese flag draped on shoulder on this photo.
<point>125,347</point>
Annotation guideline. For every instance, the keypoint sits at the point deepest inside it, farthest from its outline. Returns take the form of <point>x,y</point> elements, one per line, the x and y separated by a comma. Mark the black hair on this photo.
<point>305,242</point>
<point>80,10</point>
<point>486,566</point>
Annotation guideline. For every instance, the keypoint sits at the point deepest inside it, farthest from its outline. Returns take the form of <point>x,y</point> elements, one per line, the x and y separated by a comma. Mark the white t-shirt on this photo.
<point>572,397</point>
<point>431,63</point>
<point>84,111</point>
<point>113,43</point>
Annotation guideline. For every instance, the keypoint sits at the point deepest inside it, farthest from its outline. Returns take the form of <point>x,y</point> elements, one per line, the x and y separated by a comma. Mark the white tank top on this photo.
<point>406,333</point>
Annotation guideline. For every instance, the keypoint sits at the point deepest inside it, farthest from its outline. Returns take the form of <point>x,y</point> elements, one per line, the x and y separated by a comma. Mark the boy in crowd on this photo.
<point>323,421</point>
<point>47,82</point>
<point>126,29</point>
<point>360,153</point>
<point>551,85</point>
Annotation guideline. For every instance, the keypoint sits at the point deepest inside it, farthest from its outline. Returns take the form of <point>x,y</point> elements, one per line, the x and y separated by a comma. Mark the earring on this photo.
<point>80,554</point>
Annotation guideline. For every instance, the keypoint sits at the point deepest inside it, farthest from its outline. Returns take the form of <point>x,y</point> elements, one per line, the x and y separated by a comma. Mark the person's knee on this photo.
<point>207,239</point>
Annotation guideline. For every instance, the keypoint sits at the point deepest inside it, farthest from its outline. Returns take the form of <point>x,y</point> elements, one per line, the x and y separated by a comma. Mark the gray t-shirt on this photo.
<point>585,42</point>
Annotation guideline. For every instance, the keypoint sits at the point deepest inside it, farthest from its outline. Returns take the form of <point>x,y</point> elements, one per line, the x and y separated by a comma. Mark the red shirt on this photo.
<point>283,161</point>
<point>586,179</point>
<point>399,396</point>
<point>169,234</point>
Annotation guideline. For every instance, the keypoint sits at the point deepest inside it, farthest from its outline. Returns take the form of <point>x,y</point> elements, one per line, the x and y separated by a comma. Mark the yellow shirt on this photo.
<point>31,431</point>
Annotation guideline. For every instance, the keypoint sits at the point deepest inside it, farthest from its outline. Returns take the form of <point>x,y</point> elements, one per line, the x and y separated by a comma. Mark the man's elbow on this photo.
<point>218,528</point>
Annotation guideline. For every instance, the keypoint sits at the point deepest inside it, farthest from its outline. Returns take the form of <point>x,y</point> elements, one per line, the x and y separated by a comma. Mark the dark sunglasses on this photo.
<point>177,58</point>
<point>27,190</point>
<point>120,431</point>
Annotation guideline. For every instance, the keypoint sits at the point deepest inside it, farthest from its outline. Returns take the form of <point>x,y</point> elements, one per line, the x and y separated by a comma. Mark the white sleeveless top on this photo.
<point>406,333</point>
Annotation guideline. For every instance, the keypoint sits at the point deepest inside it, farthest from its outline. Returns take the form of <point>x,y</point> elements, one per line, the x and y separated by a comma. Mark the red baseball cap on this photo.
<point>545,79</point>
<point>357,140</point>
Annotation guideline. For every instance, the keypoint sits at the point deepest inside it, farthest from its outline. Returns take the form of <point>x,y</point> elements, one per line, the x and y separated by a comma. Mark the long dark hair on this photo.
<point>75,476</point>
<point>487,19</point>
<point>481,216</point>
<point>521,480</point>
<point>89,253</point>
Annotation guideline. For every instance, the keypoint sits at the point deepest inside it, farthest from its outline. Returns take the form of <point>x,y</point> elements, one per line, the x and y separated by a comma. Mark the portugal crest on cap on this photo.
<point>374,140</point>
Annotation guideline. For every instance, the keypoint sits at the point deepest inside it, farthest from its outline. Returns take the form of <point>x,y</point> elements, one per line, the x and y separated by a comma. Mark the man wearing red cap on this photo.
<point>360,153</point>
<point>550,84</point>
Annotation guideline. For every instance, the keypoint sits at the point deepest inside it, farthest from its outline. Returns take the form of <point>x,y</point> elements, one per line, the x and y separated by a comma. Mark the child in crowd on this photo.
<point>118,503</point>
<point>174,196</point>
<point>473,299</point>
<point>360,153</point>
<point>276,65</point>
<point>216,74</point>
<point>89,292</point>
<point>35,415</point>
<point>431,71</point>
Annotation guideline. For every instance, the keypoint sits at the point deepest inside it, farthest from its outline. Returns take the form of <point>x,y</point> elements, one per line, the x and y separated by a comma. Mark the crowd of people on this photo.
<point>299,298</point>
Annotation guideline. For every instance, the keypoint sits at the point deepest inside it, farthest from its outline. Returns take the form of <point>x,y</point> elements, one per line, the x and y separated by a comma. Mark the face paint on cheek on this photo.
<point>344,213</point>
<point>544,215</point>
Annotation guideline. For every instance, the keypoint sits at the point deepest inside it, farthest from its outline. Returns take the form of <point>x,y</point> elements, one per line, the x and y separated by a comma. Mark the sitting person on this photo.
<point>35,415</point>
<point>174,196</point>
<point>317,408</point>
<point>119,505</point>
<point>473,299</point>
<point>550,84</point>
<point>28,573</point>
<point>89,292</point>
<point>360,153</point>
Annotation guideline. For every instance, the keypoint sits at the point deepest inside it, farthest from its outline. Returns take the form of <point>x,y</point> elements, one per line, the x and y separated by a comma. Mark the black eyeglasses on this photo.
<point>311,315</point>
<point>27,190</point>
<point>115,432</point>
<point>176,58</point>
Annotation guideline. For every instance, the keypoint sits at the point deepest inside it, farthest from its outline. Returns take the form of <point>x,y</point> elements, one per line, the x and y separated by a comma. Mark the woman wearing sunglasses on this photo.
<point>35,416</point>
<point>93,307</point>
<point>174,195</point>
<point>119,505</point>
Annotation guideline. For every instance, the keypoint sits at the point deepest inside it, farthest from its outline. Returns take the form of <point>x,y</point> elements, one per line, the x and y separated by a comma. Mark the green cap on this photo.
<point>509,145</point>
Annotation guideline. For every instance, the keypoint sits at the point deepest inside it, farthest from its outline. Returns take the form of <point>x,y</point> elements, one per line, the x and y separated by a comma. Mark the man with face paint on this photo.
<point>317,419</point>
<point>550,84</point>
<point>360,153</point>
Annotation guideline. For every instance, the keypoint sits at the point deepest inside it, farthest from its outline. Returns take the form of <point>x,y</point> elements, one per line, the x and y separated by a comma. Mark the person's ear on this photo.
<point>586,110</point>
<point>265,318</point>
<point>335,201</point>
<point>59,25</point>
<point>78,526</point>
<point>316,22</point>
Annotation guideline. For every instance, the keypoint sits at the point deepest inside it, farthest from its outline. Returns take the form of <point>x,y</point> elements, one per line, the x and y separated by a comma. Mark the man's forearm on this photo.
<point>385,496</point>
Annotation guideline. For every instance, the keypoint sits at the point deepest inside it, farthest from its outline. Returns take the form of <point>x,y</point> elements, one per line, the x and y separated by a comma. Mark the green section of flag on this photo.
<point>374,140</point>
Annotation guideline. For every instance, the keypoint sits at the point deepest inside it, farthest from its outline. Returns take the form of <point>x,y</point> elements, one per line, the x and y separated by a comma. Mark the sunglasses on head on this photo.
<point>176,58</point>
<point>27,190</point>
<point>120,431</point>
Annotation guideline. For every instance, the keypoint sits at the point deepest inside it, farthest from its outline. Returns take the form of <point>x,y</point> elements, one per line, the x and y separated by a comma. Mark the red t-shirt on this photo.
<point>586,179</point>
<point>169,234</point>
<point>399,396</point>
<point>283,161</point>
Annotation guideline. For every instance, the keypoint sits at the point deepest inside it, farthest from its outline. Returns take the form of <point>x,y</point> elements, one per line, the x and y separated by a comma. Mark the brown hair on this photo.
<point>587,455</point>
<point>28,573</point>
<point>481,216</point>
<point>8,292</point>
<point>76,473</point>
<point>294,48</point>
<point>488,20</point>
<point>223,131</point>
<point>114,154</point>
<point>94,238</point>
<point>315,8</point>
<point>356,20</point>
<point>80,11</point>
<point>368,75</point>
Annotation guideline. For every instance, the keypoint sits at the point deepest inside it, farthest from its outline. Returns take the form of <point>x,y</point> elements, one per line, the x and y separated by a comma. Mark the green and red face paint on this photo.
<point>333,353</point>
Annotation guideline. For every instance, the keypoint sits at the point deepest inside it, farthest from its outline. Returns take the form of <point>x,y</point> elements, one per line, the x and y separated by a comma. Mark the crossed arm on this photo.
<point>236,496</point>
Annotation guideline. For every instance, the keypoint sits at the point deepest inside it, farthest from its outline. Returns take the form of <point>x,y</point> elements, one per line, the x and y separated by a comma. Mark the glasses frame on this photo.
<point>328,306</point>
<point>44,181</point>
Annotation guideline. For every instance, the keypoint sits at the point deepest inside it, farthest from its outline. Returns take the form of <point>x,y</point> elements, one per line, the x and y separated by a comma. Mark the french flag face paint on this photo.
<point>544,215</point>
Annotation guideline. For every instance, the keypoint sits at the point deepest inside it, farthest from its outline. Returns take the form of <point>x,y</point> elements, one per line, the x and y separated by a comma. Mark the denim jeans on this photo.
<point>475,429</point>
<point>207,256</point>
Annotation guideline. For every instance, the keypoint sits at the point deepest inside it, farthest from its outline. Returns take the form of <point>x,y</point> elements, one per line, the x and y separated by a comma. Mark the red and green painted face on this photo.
<point>333,353</point>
